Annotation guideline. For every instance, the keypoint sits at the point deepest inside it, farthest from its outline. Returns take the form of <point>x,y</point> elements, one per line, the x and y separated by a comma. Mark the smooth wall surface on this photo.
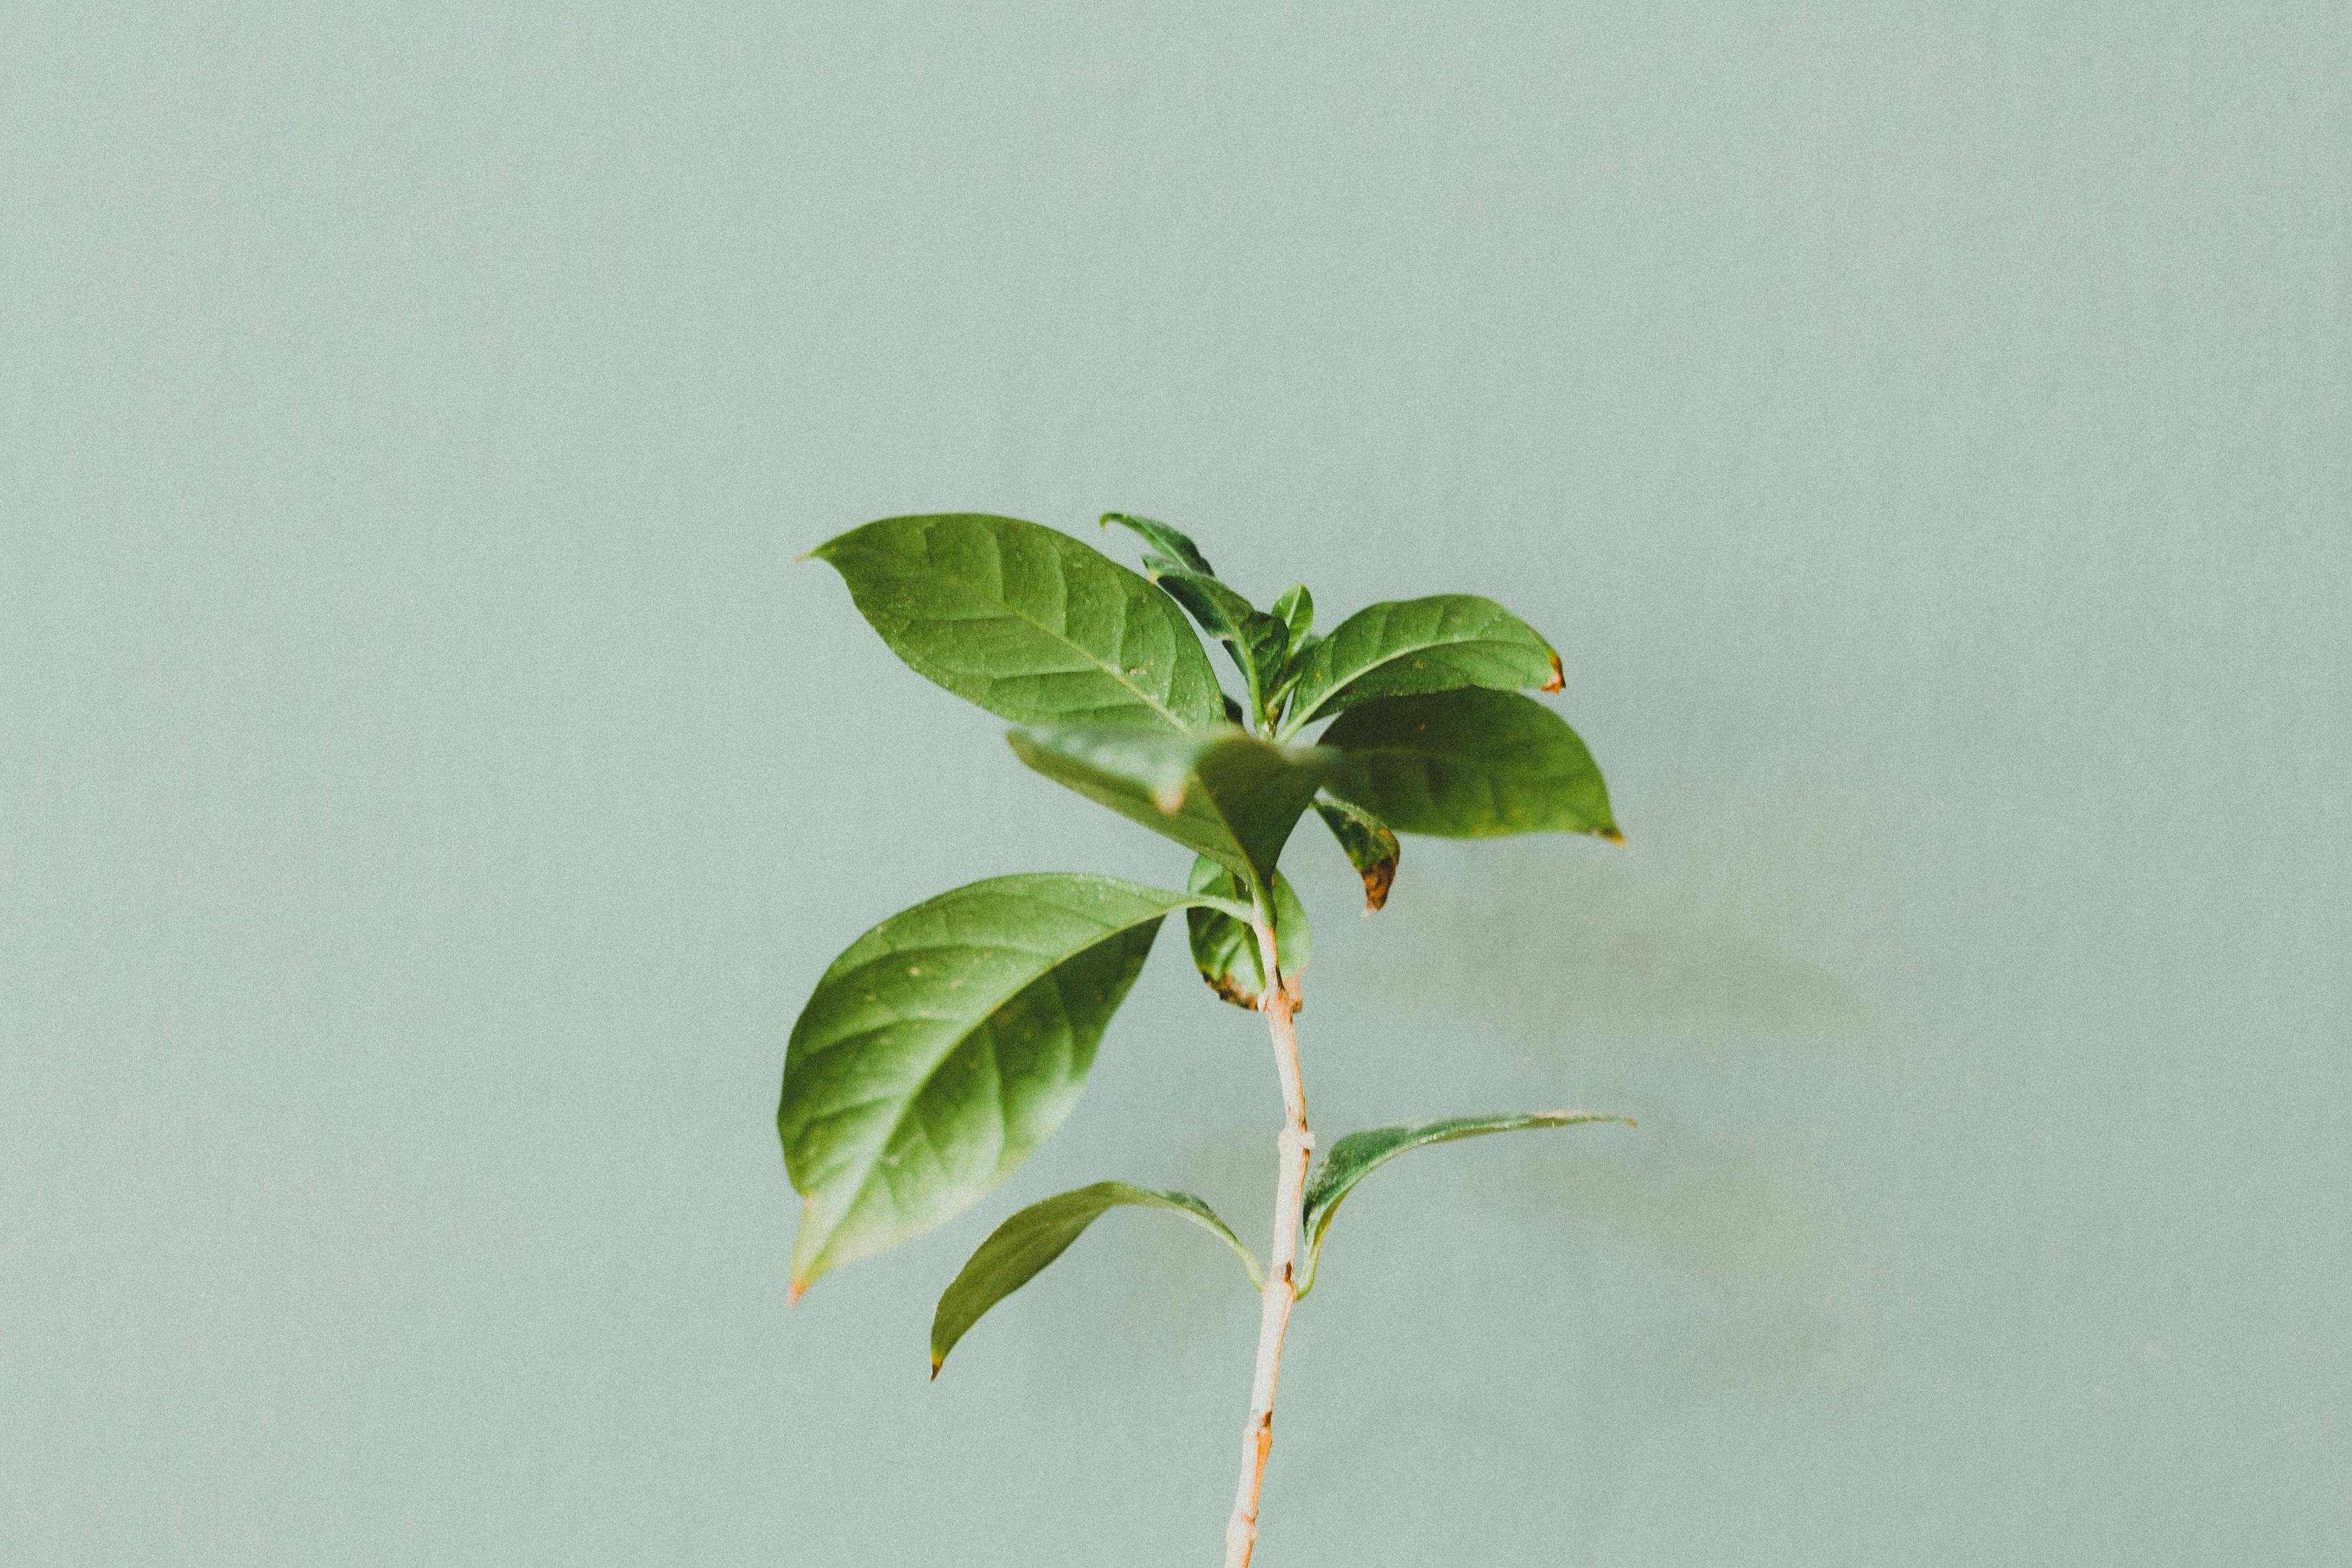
<point>430,785</point>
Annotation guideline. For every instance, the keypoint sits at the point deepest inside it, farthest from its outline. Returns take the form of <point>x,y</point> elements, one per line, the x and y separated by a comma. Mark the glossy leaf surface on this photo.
<point>1369,844</point>
<point>1469,765</point>
<point>1029,624</point>
<point>1018,1250</point>
<point>1439,644</point>
<point>1225,948</point>
<point>1224,793</point>
<point>944,1046</point>
<point>1358,1155</point>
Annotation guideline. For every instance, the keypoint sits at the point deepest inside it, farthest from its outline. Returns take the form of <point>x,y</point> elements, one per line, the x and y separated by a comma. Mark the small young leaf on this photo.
<point>1172,551</point>
<point>1437,644</point>
<point>1296,609</point>
<point>944,1046</point>
<point>1223,793</point>
<point>1257,641</point>
<point>1469,765</point>
<point>1358,1155</point>
<point>1224,949</point>
<point>1018,1250</point>
<point>1371,848</point>
<point>1029,624</point>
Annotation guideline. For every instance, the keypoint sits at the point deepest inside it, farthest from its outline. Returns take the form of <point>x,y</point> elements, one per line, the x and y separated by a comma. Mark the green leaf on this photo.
<point>1437,644</point>
<point>1295,609</point>
<point>1029,624</point>
<point>1017,1251</point>
<point>1224,949</point>
<point>1469,765</point>
<point>1257,641</point>
<point>1224,793</point>
<point>1172,551</point>
<point>944,1046</point>
<point>1369,846</point>
<point>1358,1155</point>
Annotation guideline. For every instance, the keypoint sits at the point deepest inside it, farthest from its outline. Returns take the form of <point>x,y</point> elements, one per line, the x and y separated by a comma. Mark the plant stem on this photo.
<point>1279,1001</point>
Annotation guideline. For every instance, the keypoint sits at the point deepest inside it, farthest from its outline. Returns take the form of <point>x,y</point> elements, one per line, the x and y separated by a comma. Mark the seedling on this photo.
<point>946,1043</point>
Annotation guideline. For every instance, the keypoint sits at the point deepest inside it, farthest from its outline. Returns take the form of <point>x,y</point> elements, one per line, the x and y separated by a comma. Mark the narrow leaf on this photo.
<point>1257,641</point>
<point>1295,609</point>
<point>944,1046</point>
<point>1032,625</point>
<point>1358,1155</point>
<point>1173,551</point>
<point>1369,846</point>
<point>1018,1250</point>
<point>1225,948</point>
<point>1223,794</point>
<point>1437,644</point>
<point>1469,765</point>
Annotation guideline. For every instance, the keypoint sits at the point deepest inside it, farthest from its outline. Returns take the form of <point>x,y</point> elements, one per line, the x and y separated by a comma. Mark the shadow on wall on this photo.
<point>1593,945</point>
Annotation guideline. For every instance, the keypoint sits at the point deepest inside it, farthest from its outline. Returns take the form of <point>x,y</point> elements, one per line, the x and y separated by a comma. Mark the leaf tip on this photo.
<point>1559,676</point>
<point>1612,835</point>
<point>1379,878</point>
<point>795,1291</point>
<point>936,1362</point>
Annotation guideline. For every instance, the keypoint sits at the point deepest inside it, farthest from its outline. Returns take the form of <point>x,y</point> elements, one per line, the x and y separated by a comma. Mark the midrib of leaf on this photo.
<point>866,1167</point>
<point>1292,726</point>
<point>1126,622</point>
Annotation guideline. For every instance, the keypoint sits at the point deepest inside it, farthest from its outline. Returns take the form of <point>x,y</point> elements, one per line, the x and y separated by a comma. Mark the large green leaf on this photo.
<point>1224,949</point>
<point>1469,765</point>
<point>1369,844</point>
<point>1358,1155</point>
<point>1437,644</point>
<point>1295,609</point>
<point>1017,1251</point>
<point>945,1045</point>
<point>1224,793</point>
<point>1030,624</point>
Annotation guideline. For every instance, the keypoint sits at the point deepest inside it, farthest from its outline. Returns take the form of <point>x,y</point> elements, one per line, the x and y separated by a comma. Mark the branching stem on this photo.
<point>1279,1002</point>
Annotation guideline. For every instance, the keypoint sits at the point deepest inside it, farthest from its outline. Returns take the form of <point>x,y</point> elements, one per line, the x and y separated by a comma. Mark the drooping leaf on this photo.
<point>1369,846</point>
<point>1437,644</point>
<point>1469,765</point>
<point>945,1045</point>
<point>1224,793</point>
<point>1032,625</point>
<point>1172,551</point>
<point>1295,609</point>
<point>1224,949</point>
<point>1018,1250</point>
<point>1358,1155</point>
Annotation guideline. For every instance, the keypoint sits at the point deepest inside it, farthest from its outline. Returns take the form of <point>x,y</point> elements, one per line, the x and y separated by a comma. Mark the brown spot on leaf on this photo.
<point>795,1291</point>
<point>1229,989</point>
<point>1378,878</point>
<point>1559,676</point>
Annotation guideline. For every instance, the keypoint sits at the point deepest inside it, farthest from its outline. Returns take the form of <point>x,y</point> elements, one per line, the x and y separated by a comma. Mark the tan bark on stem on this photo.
<point>1280,1003</point>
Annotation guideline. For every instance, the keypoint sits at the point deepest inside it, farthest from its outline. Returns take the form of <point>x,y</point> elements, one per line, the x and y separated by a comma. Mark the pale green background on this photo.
<point>431,787</point>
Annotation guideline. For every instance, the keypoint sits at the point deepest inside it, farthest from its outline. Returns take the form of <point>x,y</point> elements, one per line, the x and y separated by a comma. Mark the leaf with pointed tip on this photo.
<point>1438,644</point>
<point>1224,949</point>
<point>1369,846</point>
<point>1358,1155</point>
<point>1223,792</point>
<point>1029,624</point>
<point>1469,765</point>
<point>1018,1250</point>
<point>1172,551</point>
<point>1257,641</point>
<point>1295,609</point>
<point>944,1046</point>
